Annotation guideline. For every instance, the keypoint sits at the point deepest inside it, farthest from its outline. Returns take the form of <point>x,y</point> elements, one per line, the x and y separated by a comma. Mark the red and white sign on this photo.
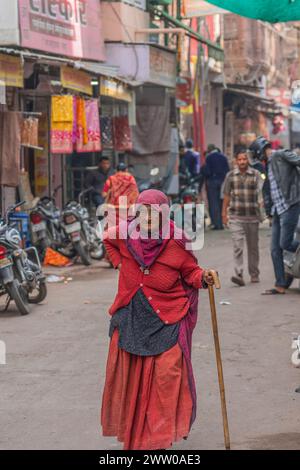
<point>280,95</point>
<point>64,27</point>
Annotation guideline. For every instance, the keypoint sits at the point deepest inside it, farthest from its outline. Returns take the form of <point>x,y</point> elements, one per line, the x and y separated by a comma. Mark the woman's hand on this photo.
<point>119,266</point>
<point>208,277</point>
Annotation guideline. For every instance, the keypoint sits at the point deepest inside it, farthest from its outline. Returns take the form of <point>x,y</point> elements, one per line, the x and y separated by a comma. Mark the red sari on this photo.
<point>146,400</point>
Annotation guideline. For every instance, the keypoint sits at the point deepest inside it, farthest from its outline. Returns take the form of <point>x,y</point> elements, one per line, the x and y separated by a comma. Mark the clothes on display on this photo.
<point>10,146</point>
<point>62,124</point>
<point>88,130</point>
<point>107,131</point>
<point>29,132</point>
<point>122,134</point>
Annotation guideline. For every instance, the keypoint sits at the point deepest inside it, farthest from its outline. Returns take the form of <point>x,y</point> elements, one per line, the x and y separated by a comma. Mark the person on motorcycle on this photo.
<point>97,178</point>
<point>282,203</point>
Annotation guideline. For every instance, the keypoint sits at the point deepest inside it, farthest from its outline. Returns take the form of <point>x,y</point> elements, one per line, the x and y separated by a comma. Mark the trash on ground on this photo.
<point>225,302</point>
<point>53,258</point>
<point>53,278</point>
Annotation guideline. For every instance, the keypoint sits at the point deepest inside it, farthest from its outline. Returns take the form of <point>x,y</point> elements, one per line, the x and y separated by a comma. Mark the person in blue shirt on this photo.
<point>191,159</point>
<point>216,168</point>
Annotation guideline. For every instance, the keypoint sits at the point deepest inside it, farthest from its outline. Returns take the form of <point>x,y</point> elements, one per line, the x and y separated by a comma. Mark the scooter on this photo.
<point>292,261</point>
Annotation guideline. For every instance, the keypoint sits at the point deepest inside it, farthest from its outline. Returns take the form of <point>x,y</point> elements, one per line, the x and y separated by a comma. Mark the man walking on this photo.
<point>191,159</point>
<point>241,196</point>
<point>96,179</point>
<point>282,204</point>
<point>216,168</point>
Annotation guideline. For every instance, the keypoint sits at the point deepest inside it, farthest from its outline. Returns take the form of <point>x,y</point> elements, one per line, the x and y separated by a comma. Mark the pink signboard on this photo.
<point>64,27</point>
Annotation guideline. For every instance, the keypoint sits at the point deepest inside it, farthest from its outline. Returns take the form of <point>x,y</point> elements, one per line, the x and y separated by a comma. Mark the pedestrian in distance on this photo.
<point>149,398</point>
<point>97,178</point>
<point>241,212</point>
<point>215,171</point>
<point>191,159</point>
<point>282,204</point>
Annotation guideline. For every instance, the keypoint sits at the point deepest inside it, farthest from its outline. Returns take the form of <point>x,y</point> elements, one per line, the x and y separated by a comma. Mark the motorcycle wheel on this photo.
<point>288,280</point>
<point>82,251</point>
<point>41,293</point>
<point>18,294</point>
<point>98,253</point>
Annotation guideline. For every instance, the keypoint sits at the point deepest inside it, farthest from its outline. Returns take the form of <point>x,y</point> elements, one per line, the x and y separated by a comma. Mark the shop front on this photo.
<point>155,133</point>
<point>51,38</point>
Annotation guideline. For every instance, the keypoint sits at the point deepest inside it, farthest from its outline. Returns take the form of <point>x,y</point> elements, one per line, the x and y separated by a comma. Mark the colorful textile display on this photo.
<point>106,131</point>
<point>122,134</point>
<point>10,146</point>
<point>62,124</point>
<point>88,126</point>
<point>29,132</point>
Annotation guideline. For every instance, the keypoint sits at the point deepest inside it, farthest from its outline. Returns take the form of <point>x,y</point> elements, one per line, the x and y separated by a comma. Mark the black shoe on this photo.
<point>238,280</point>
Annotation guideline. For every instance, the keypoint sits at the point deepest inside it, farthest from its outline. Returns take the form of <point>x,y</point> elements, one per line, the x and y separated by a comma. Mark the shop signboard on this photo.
<point>183,91</point>
<point>115,89</point>
<point>280,95</point>
<point>162,67</point>
<point>9,23</point>
<point>76,80</point>
<point>11,70</point>
<point>68,27</point>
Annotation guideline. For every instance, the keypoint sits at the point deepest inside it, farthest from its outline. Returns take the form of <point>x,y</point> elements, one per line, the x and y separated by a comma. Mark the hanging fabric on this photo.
<point>107,131</point>
<point>61,124</point>
<point>29,132</point>
<point>122,134</point>
<point>10,147</point>
<point>266,10</point>
<point>88,134</point>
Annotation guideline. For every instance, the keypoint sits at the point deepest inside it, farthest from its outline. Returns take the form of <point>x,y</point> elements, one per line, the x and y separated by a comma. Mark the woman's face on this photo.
<point>149,219</point>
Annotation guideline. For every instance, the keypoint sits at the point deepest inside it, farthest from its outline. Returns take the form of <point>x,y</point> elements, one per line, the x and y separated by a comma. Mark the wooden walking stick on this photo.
<point>218,356</point>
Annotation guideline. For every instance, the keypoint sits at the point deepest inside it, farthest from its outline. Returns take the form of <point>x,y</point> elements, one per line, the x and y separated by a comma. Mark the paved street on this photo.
<point>51,385</point>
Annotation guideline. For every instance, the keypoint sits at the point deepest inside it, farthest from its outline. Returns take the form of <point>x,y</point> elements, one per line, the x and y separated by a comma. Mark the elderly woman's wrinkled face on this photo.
<point>149,219</point>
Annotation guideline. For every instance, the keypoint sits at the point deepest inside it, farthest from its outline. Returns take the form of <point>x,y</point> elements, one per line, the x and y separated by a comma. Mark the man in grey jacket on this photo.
<point>282,203</point>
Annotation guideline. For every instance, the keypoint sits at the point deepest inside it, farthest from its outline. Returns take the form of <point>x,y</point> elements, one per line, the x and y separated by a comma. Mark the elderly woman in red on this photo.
<point>149,398</point>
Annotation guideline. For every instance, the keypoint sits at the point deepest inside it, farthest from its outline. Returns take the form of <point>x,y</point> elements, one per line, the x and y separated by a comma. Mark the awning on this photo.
<point>95,68</point>
<point>249,94</point>
<point>266,10</point>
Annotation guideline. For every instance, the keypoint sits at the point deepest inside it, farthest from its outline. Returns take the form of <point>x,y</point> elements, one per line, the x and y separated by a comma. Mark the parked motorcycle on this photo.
<point>81,232</point>
<point>186,216</point>
<point>21,274</point>
<point>292,261</point>
<point>45,224</point>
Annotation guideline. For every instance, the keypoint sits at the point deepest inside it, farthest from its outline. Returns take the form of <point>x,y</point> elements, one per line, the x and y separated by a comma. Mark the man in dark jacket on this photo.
<point>282,203</point>
<point>97,178</point>
<point>216,168</point>
<point>191,159</point>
